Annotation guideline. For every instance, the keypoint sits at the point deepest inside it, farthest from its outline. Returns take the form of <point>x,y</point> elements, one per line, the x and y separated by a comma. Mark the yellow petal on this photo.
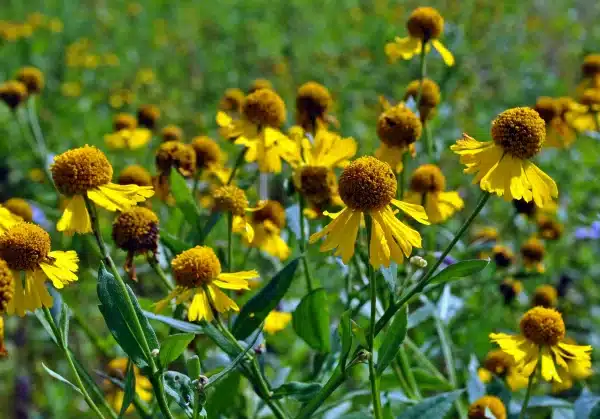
<point>221,301</point>
<point>548,368</point>
<point>62,270</point>
<point>276,321</point>
<point>75,218</point>
<point>444,52</point>
<point>416,211</point>
<point>200,308</point>
<point>114,197</point>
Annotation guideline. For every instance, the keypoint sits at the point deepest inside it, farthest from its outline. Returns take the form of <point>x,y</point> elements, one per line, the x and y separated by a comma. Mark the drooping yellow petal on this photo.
<point>398,235</point>
<point>444,52</point>
<point>341,234</point>
<point>17,303</point>
<point>160,305</point>
<point>200,308</point>
<point>31,295</point>
<point>549,372</point>
<point>62,268</point>
<point>75,217</point>
<point>236,280</point>
<point>543,186</point>
<point>114,197</point>
<point>442,205</point>
<point>7,219</point>
<point>415,211</point>
<point>391,155</point>
<point>221,301</point>
<point>404,48</point>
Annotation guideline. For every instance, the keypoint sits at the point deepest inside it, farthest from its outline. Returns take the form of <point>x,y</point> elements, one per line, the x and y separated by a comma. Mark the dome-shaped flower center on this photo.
<point>520,132</point>
<point>430,94</point>
<point>312,102</point>
<point>24,246</point>
<point>264,107</point>
<point>533,250</point>
<point>425,23</point>
<point>259,84</point>
<point>231,199</point>
<point>232,100</point>
<point>171,133</point>
<point>13,93</point>
<point>543,326</point>
<point>524,207</point>
<point>136,230</point>
<point>124,121</point>
<point>545,296</point>
<point>477,410</point>
<point>498,362</point>
<point>398,126</point>
<point>178,155</point>
<point>208,152</point>
<point>547,107</point>
<point>591,65</point>
<point>135,175</point>
<point>19,207</point>
<point>510,288</point>
<point>503,257</point>
<point>78,170</point>
<point>427,178</point>
<point>367,184</point>
<point>549,228</point>
<point>148,116</point>
<point>32,78</point>
<point>7,286</point>
<point>271,211</point>
<point>317,184</point>
<point>196,267</point>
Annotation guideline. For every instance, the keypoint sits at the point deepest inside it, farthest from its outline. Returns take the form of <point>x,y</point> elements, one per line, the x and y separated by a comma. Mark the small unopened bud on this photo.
<point>418,261</point>
<point>154,352</point>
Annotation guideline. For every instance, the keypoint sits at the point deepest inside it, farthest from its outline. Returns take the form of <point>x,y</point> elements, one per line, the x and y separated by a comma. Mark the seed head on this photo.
<point>264,107</point>
<point>135,175</point>
<point>13,93</point>
<point>24,246</point>
<point>425,23</point>
<point>80,169</point>
<point>19,207</point>
<point>543,326</point>
<point>32,78</point>
<point>427,178</point>
<point>231,199</point>
<point>520,132</point>
<point>208,152</point>
<point>367,184</point>
<point>124,121</point>
<point>317,184</point>
<point>196,267</point>
<point>398,126</point>
<point>171,133</point>
<point>136,230</point>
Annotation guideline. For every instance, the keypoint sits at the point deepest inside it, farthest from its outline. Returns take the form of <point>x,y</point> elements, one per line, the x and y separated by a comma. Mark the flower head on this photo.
<point>318,185</point>
<point>266,223</point>
<point>367,184</point>
<point>477,410</point>
<point>78,170</point>
<point>197,273</point>
<point>7,286</point>
<point>259,84</point>
<point>545,296</point>
<point>208,152</point>
<point>398,126</point>
<point>549,228</point>
<point>136,230</point>
<point>171,133</point>
<point>533,252</point>
<point>503,256</point>
<point>485,234</point>
<point>425,23</point>
<point>430,96</point>
<point>591,65</point>
<point>231,199</point>
<point>131,139</point>
<point>232,100</point>
<point>510,288</point>
<point>523,207</point>
<point>313,101</point>
<point>177,155</point>
<point>148,116</point>
<point>32,78</point>
<point>264,107</point>
<point>135,175</point>
<point>13,93</point>
<point>19,207</point>
<point>499,363</point>
<point>520,132</point>
<point>124,121</point>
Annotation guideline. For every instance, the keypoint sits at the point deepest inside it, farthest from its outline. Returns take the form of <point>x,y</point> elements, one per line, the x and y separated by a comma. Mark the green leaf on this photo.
<point>129,388</point>
<point>359,332</point>
<point>61,378</point>
<point>173,243</point>
<point>173,346</point>
<point>311,320</point>
<point>209,225</point>
<point>390,275</point>
<point>193,367</point>
<point>63,323</point>
<point>258,307</point>
<point>120,320</point>
<point>392,340</point>
<point>460,270</point>
<point>432,407</point>
<point>179,386</point>
<point>183,198</point>
<point>345,331</point>
<point>429,381</point>
<point>299,391</point>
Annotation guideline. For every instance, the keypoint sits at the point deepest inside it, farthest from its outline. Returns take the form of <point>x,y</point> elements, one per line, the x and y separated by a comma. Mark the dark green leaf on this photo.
<point>429,381</point>
<point>173,243</point>
<point>179,387</point>
<point>311,320</point>
<point>129,388</point>
<point>193,367</point>
<point>392,340</point>
<point>63,323</point>
<point>258,307</point>
<point>61,378</point>
<point>120,319</point>
<point>345,331</point>
<point>209,225</point>
<point>359,332</point>
<point>460,270</point>
<point>183,198</point>
<point>173,346</point>
<point>299,391</point>
<point>432,407</point>
<point>390,275</point>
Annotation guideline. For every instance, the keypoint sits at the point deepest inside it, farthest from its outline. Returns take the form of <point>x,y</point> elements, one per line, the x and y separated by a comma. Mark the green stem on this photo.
<point>155,376</point>
<point>371,340</point>
<point>402,177</point>
<point>160,272</point>
<point>60,340</point>
<point>309,280</point>
<point>422,71</point>
<point>528,393</point>
<point>406,388</point>
<point>336,379</point>
<point>238,163</point>
<point>389,313</point>
<point>423,360</point>
<point>38,135</point>
<point>410,377</point>
<point>196,184</point>
<point>230,241</point>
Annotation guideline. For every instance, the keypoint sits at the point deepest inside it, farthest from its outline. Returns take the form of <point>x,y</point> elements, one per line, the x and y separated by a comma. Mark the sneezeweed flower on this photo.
<point>590,72</point>
<point>427,187</point>
<point>398,128</point>
<point>177,155</point>
<point>208,153</point>
<point>198,276</point>
<point>135,175</point>
<point>585,116</point>
<point>276,321</point>
<point>549,228</point>
<point>485,235</point>
<point>259,84</point>
<point>27,248</point>
<point>528,209</point>
<point>502,256</point>
<point>258,129</point>
<point>478,409</point>
<point>171,133</point>
<point>117,368</point>
<point>425,25</point>
<point>232,100</point>
<point>367,188</point>
<point>542,341</point>
<point>510,288</point>
<point>231,199</point>
<point>7,292</point>
<point>430,97</point>
<point>148,116</point>
<point>313,101</point>
<point>13,93</point>
<point>318,185</point>
<point>545,296</point>
<point>85,173</point>
<point>136,231</point>
<point>20,208</point>
<point>32,78</point>
<point>500,364</point>
<point>502,166</point>
<point>124,121</point>
<point>533,252</point>
<point>267,222</point>
<point>130,139</point>
<point>559,133</point>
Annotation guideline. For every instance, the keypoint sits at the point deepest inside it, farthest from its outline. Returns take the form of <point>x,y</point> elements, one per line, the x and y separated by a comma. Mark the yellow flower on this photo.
<point>276,321</point>
<point>135,175</point>
<point>510,288</point>
<point>584,116</point>
<point>13,93</point>
<point>26,248</point>
<point>398,128</point>
<point>327,149</point>
<point>148,116</point>
<point>424,25</point>
<point>124,121</point>
<point>267,222</point>
<point>477,410</point>
<point>171,133</point>
<point>549,228</point>
<point>545,296</point>
<point>502,365</point>
<point>32,78</point>
<point>232,100</point>
<point>368,187</point>
<point>198,276</point>
<point>427,186</point>
<point>117,368</point>
<point>71,89</point>
<point>430,97</point>
<point>553,111</point>
<point>313,101</point>
<point>8,219</point>
<point>574,371</point>
<point>131,139</point>
<point>20,208</point>
<point>175,154</point>
<point>263,113</point>
<point>86,172</point>
<point>503,256</point>
<point>232,199</point>
<point>209,158</point>
<point>260,84</point>
<point>502,166</point>
<point>533,252</point>
<point>485,234</point>
<point>542,341</point>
